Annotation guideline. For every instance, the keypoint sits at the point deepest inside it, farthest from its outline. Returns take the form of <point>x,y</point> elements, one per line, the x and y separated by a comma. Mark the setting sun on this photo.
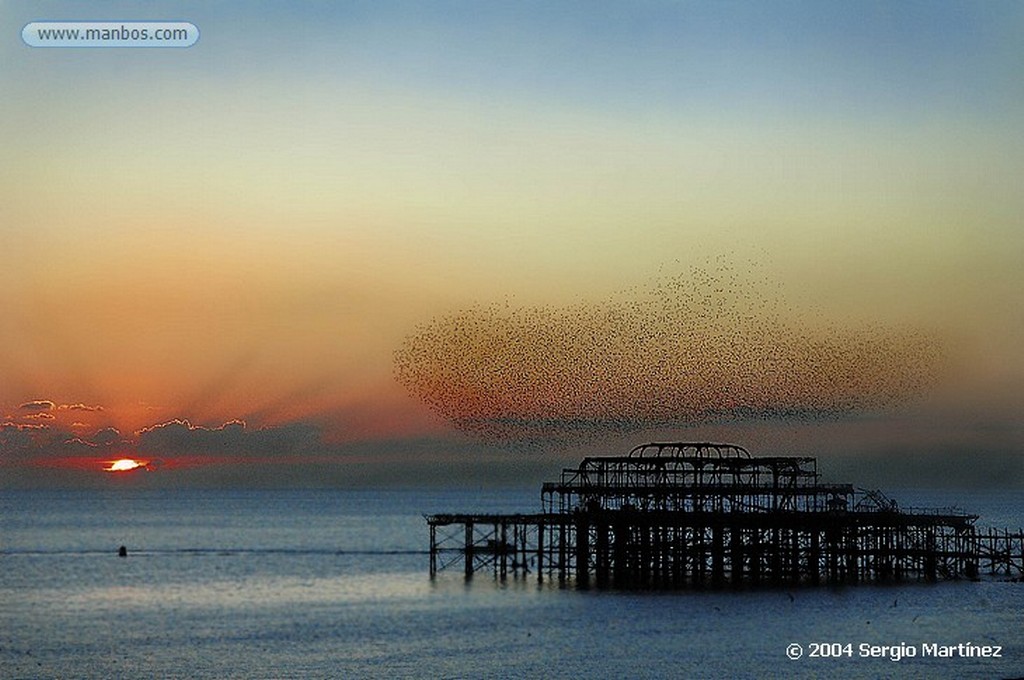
<point>125,465</point>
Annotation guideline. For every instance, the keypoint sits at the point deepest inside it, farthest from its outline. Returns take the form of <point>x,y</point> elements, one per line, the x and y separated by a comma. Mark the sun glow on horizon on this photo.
<point>125,465</point>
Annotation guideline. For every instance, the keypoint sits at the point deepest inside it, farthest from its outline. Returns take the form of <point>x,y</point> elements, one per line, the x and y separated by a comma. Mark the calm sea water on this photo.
<point>328,584</point>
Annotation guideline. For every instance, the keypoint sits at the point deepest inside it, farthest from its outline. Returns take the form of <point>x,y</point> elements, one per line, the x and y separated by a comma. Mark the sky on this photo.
<point>366,243</point>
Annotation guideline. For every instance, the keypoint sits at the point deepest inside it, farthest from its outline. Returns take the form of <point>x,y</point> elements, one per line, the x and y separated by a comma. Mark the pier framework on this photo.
<point>694,515</point>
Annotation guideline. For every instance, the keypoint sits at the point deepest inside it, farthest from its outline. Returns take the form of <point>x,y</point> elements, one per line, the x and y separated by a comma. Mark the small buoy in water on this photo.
<point>122,551</point>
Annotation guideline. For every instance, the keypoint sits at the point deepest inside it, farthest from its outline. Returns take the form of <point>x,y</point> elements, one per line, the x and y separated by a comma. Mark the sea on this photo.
<point>336,584</point>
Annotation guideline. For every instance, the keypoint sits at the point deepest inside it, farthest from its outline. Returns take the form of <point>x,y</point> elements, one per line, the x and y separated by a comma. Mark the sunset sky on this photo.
<point>211,257</point>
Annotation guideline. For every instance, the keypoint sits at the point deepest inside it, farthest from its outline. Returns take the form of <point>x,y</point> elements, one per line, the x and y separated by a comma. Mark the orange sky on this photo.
<point>252,228</point>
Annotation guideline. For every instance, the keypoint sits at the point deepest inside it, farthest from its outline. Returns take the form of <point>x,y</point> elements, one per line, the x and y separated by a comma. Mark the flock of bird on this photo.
<point>704,346</point>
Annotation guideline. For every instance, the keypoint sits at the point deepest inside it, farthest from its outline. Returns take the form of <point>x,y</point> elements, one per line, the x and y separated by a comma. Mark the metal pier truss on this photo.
<point>695,515</point>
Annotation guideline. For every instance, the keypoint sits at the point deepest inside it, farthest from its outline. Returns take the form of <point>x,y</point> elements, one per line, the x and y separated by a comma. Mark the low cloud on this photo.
<point>38,405</point>
<point>21,440</point>
<point>949,466</point>
<point>23,427</point>
<point>53,454</point>
<point>182,437</point>
<point>78,407</point>
<point>106,437</point>
<point>77,442</point>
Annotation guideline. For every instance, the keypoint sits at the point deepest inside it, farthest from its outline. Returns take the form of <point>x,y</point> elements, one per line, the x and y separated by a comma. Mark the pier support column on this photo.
<point>814,558</point>
<point>540,552</point>
<point>582,551</point>
<point>468,550</point>
<point>736,555</point>
<point>717,555</point>
<point>602,554</point>
<point>620,561</point>
<point>433,551</point>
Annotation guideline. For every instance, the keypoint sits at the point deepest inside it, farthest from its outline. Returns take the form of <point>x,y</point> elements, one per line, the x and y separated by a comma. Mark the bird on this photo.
<point>716,342</point>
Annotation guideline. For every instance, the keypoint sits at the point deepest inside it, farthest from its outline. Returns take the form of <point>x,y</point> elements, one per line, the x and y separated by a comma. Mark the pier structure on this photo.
<point>696,515</point>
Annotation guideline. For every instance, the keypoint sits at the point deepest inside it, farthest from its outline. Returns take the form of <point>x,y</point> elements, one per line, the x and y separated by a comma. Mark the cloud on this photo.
<point>42,415</point>
<point>230,442</point>
<point>232,438</point>
<point>18,440</point>
<point>707,346</point>
<point>106,437</point>
<point>186,455</point>
<point>23,427</point>
<point>79,442</point>
<point>946,465</point>
<point>38,405</point>
<point>78,407</point>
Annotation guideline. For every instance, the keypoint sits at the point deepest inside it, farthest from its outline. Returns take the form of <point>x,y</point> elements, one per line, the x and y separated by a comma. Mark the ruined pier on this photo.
<point>696,515</point>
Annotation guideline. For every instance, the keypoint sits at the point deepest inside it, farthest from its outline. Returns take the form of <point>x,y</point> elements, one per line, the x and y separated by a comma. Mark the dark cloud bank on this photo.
<point>233,455</point>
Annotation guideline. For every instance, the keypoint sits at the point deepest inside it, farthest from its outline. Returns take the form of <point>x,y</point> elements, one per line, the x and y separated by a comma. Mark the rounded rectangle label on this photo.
<point>110,34</point>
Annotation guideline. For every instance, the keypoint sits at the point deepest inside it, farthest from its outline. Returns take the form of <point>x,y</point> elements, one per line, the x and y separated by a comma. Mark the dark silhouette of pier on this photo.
<point>702,515</point>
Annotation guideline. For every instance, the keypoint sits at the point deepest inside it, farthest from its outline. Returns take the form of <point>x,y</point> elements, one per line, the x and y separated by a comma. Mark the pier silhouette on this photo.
<point>703,515</point>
